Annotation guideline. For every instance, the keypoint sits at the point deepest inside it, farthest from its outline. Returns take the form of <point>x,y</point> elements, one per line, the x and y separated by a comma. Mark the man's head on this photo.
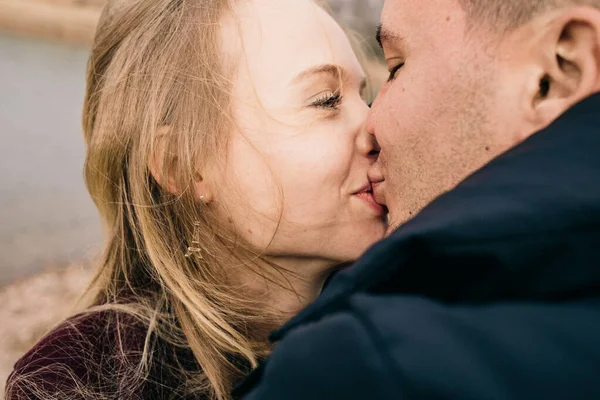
<point>470,79</point>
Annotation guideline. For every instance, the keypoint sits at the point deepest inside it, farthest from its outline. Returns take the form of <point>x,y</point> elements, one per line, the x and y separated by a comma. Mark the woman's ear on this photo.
<point>161,165</point>
<point>569,62</point>
<point>163,168</point>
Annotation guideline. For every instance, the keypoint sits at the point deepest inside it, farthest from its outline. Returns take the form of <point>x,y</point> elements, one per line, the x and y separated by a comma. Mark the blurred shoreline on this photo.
<point>68,21</point>
<point>74,21</point>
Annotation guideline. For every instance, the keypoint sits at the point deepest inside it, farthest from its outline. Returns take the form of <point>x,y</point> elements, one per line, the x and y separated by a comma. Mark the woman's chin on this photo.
<point>370,235</point>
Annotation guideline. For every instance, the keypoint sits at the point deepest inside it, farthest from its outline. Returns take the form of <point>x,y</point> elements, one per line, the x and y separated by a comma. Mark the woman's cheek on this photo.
<point>317,181</point>
<point>250,186</point>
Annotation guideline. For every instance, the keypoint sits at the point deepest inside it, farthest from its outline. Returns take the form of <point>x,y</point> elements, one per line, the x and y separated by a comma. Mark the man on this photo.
<point>491,290</point>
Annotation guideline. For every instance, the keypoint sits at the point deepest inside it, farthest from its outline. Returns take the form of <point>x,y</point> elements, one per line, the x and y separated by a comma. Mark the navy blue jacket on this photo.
<point>491,292</point>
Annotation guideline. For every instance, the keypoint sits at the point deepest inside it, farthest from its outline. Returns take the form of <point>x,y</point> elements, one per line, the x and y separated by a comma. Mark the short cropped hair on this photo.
<point>503,15</point>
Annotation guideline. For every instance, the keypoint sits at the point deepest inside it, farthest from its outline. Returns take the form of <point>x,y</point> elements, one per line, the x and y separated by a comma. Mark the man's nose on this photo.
<point>370,126</point>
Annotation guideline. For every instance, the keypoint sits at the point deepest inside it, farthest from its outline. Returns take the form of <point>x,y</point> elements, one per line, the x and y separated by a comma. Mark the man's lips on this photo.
<point>375,175</point>
<point>379,193</point>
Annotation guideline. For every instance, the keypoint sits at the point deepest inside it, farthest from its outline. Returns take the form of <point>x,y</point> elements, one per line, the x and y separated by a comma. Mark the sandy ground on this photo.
<point>30,308</point>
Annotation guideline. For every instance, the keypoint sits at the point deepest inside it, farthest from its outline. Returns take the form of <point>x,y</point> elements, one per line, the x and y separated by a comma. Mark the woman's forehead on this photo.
<point>278,39</point>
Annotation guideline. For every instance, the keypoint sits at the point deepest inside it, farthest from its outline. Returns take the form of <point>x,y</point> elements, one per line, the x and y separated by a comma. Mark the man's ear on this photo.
<point>163,168</point>
<point>569,61</point>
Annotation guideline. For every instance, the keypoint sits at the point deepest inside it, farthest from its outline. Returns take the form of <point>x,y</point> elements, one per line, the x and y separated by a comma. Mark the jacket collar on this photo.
<point>525,227</point>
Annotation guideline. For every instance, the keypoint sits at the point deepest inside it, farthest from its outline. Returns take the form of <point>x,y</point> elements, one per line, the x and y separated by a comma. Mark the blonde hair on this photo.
<point>157,78</point>
<point>159,64</point>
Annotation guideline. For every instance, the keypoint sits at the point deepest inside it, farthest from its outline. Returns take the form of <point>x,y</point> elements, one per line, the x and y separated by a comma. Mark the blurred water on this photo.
<point>46,216</point>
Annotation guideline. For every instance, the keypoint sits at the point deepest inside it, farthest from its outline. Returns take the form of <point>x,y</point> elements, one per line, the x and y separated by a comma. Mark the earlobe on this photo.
<point>202,189</point>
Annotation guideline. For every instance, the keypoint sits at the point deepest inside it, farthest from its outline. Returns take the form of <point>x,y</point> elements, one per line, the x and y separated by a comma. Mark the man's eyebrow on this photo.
<point>330,69</point>
<point>383,35</point>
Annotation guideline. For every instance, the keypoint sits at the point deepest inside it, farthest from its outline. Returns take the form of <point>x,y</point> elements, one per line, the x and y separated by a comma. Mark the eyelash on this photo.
<point>394,71</point>
<point>328,101</point>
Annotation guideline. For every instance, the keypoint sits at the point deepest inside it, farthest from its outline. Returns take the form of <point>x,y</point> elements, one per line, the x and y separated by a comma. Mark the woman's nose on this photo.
<point>367,144</point>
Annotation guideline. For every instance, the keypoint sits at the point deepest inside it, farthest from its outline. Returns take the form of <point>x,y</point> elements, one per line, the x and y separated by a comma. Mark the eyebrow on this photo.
<point>329,69</point>
<point>336,71</point>
<point>383,35</point>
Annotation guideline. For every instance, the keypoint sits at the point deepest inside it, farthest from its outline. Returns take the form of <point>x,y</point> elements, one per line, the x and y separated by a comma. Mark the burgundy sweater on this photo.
<point>95,356</point>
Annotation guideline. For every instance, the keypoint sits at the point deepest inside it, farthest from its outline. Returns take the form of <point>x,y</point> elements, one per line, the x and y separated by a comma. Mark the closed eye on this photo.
<point>328,100</point>
<point>394,71</point>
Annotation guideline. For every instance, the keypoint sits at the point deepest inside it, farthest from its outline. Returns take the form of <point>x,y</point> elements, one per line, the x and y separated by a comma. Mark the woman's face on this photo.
<point>295,181</point>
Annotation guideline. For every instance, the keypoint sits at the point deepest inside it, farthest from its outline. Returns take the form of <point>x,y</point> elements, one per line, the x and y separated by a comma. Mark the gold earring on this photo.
<point>195,247</point>
<point>203,199</point>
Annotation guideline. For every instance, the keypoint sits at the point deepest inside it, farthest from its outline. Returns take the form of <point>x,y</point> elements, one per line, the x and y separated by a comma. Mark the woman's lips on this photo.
<point>369,200</point>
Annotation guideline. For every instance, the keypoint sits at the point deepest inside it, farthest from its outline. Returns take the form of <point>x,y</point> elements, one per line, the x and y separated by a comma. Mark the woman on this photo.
<point>227,157</point>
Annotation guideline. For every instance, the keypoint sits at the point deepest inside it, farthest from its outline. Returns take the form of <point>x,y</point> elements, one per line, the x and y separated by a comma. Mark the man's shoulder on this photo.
<point>316,359</point>
<point>394,346</point>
